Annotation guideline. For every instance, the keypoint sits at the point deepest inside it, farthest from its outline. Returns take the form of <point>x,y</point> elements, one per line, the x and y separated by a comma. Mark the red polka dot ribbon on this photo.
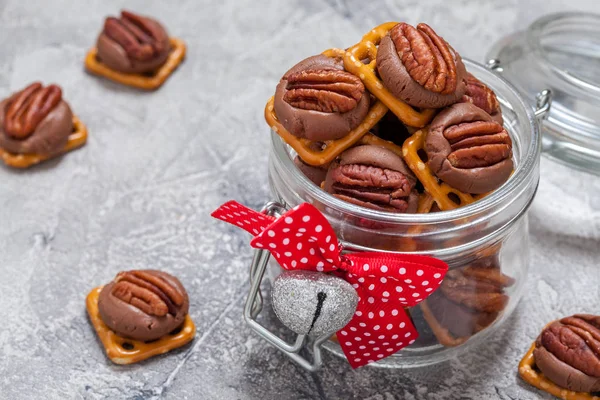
<point>386,283</point>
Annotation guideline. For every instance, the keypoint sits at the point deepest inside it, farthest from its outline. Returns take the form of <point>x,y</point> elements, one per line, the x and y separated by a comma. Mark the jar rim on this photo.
<point>522,173</point>
<point>539,29</point>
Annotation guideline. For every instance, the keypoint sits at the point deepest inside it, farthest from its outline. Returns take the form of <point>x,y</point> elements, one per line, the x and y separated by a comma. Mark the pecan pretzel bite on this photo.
<point>316,174</point>
<point>418,66</point>
<point>37,124</point>
<point>136,51</point>
<point>565,359</point>
<point>361,60</point>
<point>469,300</point>
<point>479,94</point>
<point>373,177</point>
<point>319,101</point>
<point>140,314</point>
<point>468,150</point>
<point>568,353</point>
<point>133,44</point>
<point>143,305</point>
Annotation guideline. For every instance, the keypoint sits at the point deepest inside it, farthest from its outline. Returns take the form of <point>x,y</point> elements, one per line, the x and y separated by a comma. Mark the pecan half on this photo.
<point>325,90</point>
<point>426,56</point>
<point>27,108</point>
<point>480,289</point>
<point>141,38</point>
<point>575,341</point>
<point>148,292</point>
<point>379,186</point>
<point>480,95</point>
<point>477,144</point>
<point>373,177</point>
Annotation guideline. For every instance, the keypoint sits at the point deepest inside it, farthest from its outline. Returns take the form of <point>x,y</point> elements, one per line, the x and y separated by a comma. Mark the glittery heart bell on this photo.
<point>386,283</point>
<point>313,303</point>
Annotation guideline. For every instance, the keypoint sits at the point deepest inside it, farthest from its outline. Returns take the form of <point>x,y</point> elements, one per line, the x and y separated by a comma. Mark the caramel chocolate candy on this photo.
<point>318,100</point>
<point>477,287</point>
<point>468,301</point>
<point>458,321</point>
<point>316,174</point>
<point>133,44</point>
<point>35,120</point>
<point>568,353</point>
<point>479,94</point>
<point>419,67</point>
<point>468,150</point>
<point>373,177</point>
<point>143,305</point>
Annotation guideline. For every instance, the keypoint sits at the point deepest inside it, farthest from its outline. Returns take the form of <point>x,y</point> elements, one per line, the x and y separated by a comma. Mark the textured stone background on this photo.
<point>139,194</point>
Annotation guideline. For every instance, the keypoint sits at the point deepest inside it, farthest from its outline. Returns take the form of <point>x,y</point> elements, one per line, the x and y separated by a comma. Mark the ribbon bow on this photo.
<point>302,238</point>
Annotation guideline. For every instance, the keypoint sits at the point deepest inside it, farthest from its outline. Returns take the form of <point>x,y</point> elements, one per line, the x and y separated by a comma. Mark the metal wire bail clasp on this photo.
<point>254,305</point>
<point>543,102</point>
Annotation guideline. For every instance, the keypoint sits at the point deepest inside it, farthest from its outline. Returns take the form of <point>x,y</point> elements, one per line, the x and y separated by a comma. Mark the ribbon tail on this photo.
<point>243,217</point>
<point>369,337</point>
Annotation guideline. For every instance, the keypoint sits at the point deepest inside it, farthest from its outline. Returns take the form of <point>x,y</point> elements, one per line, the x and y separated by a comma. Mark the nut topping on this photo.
<point>140,37</point>
<point>27,108</point>
<point>481,289</point>
<point>373,177</point>
<point>372,184</point>
<point>326,90</point>
<point>427,57</point>
<point>477,144</point>
<point>148,292</point>
<point>480,95</point>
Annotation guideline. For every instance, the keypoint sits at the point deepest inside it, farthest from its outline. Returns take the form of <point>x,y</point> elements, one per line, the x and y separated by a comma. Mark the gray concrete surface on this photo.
<point>139,195</point>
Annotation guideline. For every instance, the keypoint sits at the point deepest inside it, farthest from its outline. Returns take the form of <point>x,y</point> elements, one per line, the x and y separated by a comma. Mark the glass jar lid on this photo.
<point>560,52</point>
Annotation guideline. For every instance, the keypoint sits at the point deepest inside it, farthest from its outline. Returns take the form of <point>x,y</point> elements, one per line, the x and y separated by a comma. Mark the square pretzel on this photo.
<point>534,377</point>
<point>76,139</point>
<point>139,81</point>
<point>127,351</point>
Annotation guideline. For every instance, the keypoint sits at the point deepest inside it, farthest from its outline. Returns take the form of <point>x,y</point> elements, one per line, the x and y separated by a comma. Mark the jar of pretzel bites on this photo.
<point>439,159</point>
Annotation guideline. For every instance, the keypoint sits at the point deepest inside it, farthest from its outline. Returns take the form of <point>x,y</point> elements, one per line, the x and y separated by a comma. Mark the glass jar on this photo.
<point>560,52</point>
<point>486,244</point>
